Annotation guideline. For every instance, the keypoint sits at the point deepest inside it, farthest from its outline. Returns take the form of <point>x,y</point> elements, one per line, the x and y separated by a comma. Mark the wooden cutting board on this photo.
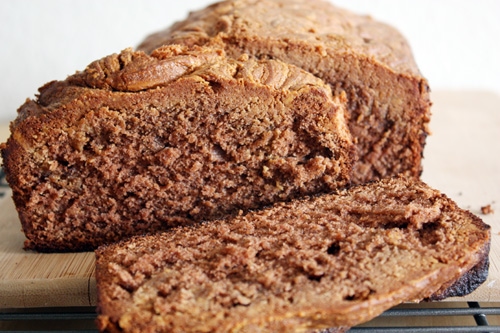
<point>462,159</point>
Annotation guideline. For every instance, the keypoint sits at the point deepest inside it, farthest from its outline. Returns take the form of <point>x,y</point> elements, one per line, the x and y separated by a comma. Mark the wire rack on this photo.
<point>83,319</point>
<point>3,184</point>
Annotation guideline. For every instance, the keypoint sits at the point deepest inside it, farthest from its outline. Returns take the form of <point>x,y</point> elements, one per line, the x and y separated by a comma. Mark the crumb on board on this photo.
<point>487,210</point>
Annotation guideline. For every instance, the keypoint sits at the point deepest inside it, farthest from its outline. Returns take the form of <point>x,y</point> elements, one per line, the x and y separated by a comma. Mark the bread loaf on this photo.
<point>388,99</point>
<point>326,261</point>
<point>131,144</point>
<point>139,143</point>
<point>242,105</point>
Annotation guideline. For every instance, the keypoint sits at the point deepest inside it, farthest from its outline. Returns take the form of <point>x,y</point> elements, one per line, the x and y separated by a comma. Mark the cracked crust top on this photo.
<point>313,22</point>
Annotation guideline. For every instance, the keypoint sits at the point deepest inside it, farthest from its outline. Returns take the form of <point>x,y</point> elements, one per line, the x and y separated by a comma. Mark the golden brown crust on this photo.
<point>137,143</point>
<point>331,260</point>
<point>368,60</point>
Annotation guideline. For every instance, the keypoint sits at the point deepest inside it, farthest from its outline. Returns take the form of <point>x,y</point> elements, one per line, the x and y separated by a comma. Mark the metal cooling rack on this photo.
<point>3,184</point>
<point>83,319</point>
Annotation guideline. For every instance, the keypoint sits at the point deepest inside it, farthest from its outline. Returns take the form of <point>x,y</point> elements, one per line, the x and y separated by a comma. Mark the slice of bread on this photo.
<point>334,260</point>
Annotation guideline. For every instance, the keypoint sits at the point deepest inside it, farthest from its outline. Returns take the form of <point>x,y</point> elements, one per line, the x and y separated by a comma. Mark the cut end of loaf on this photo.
<point>91,164</point>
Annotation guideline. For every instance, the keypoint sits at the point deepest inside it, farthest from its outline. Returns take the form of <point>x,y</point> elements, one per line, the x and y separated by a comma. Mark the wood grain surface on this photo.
<point>461,159</point>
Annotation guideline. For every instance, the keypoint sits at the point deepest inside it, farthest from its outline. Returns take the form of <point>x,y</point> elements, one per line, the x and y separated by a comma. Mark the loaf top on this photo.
<point>136,71</point>
<point>121,75</point>
<point>315,23</point>
<point>332,260</point>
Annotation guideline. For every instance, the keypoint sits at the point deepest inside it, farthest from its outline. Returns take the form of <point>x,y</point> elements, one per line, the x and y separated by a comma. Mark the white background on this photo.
<point>456,42</point>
